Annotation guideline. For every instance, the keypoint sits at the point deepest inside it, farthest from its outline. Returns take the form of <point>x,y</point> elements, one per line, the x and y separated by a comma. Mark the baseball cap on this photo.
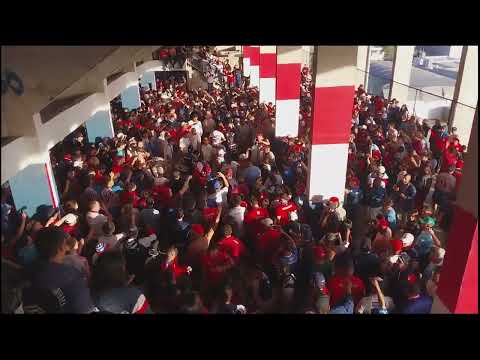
<point>382,224</point>
<point>427,220</point>
<point>397,245</point>
<point>71,219</point>
<point>100,248</point>
<point>407,240</point>
<point>381,169</point>
<point>319,252</point>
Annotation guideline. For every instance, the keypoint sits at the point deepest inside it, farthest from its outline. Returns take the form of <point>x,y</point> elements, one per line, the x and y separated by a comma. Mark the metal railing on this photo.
<point>419,102</point>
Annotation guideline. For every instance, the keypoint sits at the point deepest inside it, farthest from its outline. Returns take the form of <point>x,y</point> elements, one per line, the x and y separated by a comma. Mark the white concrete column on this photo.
<point>363,66</point>
<point>335,77</point>
<point>465,96</point>
<point>268,73</point>
<point>402,70</point>
<point>287,93</point>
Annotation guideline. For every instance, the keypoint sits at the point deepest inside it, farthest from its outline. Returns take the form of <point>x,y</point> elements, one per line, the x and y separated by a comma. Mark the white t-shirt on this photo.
<point>217,137</point>
<point>220,197</point>
<point>237,215</point>
<point>184,143</point>
<point>199,127</point>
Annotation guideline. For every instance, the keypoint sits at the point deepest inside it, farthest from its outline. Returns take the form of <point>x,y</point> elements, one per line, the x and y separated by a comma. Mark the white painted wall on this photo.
<point>18,154</point>
<point>64,123</point>
<point>116,87</point>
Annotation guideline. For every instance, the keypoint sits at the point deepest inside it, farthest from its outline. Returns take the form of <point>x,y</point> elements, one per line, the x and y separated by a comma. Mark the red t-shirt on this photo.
<point>255,215</point>
<point>448,160</point>
<point>268,243</point>
<point>127,197</point>
<point>69,229</point>
<point>175,268</point>
<point>282,212</point>
<point>336,287</point>
<point>232,246</point>
<point>209,214</point>
<point>210,264</point>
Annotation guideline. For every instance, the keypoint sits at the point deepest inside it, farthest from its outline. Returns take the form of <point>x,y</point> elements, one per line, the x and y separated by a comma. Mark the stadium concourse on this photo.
<point>273,188</point>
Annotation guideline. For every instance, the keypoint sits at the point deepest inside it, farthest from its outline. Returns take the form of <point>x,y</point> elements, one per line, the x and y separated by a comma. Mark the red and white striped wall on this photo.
<point>246,60</point>
<point>268,71</point>
<point>457,291</point>
<point>289,62</point>
<point>254,66</point>
<point>332,114</point>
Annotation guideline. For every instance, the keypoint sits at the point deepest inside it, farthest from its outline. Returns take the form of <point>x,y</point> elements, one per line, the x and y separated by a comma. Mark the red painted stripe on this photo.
<point>268,65</point>
<point>50,186</point>
<point>332,115</point>
<point>255,56</point>
<point>458,288</point>
<point>246,51</point>
<point>288,81</point>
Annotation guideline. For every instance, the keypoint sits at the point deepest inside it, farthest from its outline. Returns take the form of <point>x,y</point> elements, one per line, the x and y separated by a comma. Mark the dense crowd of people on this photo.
<point>196,207</point>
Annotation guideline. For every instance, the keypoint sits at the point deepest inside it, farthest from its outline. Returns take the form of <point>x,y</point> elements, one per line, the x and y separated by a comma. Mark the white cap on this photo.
<point>407,239</point>
<point>381,169</point>
<point>267,222</point>
<point>71,219</point>
<point>363,127</point>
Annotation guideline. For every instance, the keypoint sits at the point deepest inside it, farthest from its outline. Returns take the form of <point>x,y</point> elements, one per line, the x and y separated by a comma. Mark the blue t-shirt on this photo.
<point>252,173</point>
<point>344,308</point>
<point>420,305</point>
<point>67,283</point>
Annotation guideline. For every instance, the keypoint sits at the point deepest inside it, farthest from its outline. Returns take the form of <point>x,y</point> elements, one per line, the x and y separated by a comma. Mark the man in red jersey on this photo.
<point>286,210</point>
<point>231,245</point>
<point>343,269</point>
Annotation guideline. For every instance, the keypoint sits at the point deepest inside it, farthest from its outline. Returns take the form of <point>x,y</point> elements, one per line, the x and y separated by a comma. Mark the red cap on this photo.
<point>150,231</point>
<point>355,182</point>
<point>319,252</point>
<point>334,200</point>
<point>412,278</point>
<point>197,228</point>
<point>397,245</point>
<point>382,224</point>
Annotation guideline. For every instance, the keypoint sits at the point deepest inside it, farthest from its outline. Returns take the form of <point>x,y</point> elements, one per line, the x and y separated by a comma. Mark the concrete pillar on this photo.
<point>465,96</point>
<point>402,70</point>
<point>363,66</point>
<point>100,125</point>
<point>246,60</point>
<point>34,186</point>
<point>458,288</point>
<point>335,76</point>
<point>131,97</point>
<point>268,71</point>
<point>289,62</point>
<point>254,66</point>
<point>455,52</point>
<point>148,79</point>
